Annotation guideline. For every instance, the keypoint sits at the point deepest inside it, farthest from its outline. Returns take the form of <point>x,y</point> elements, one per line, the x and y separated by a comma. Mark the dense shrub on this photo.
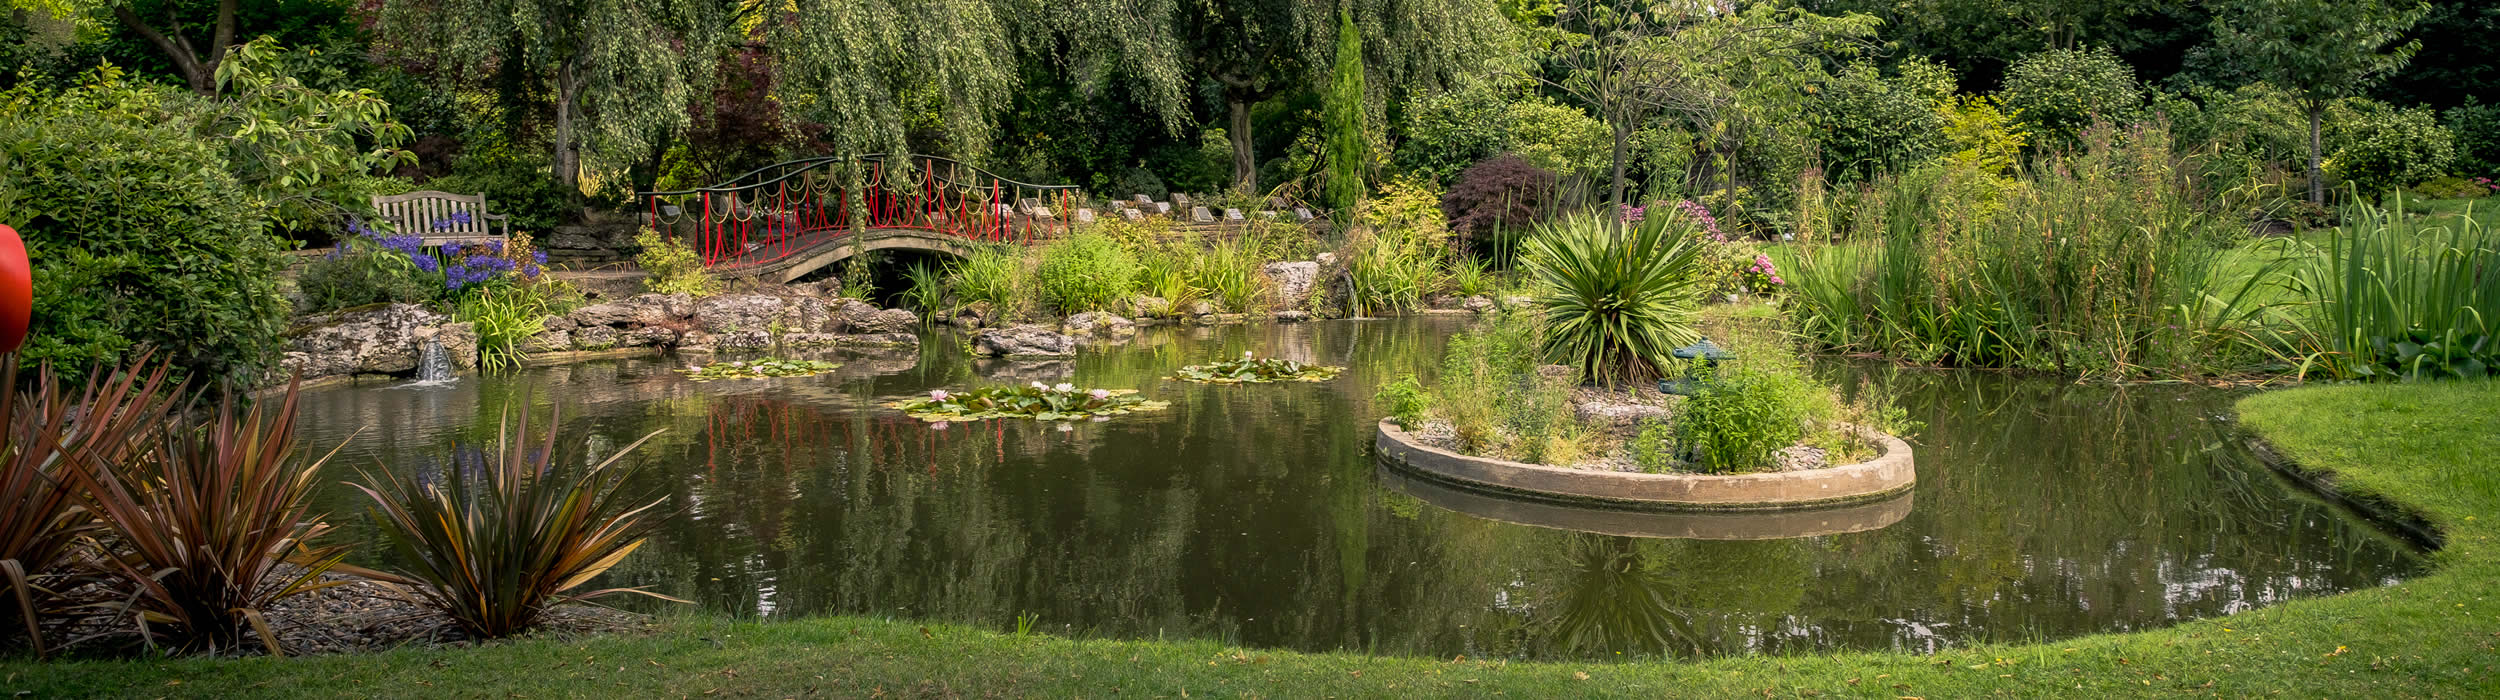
<point>1558,138</point>
<point>674,268</point>
<point>2477,130</point>
<point>1089,271</point>
<point>1405,401</point>
<point>2377,148</point>
<point>1742,416</point>
<point>2059,92</point>
<point>1504,193</point>
<point>138,234</point>
<point>1495,400</point>
<point>1983,137</point>
<point>1448,131</point>
<point>515,183</point>
<point>1868,123</point>
<point>992,274</point>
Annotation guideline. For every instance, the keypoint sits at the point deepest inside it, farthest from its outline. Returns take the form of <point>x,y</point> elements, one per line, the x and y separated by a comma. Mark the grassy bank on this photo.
<point>2427,447</point>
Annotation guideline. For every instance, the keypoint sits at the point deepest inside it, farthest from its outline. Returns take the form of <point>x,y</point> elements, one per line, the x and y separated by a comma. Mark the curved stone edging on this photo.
<point>1683,525</point>
<point>1887,474</point>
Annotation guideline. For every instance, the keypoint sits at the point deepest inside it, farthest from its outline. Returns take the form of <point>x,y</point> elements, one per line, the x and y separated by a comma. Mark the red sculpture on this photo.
<point>17,290</point>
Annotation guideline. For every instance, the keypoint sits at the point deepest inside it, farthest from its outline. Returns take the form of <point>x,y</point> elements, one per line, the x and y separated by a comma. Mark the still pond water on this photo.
<point>1256,515</point>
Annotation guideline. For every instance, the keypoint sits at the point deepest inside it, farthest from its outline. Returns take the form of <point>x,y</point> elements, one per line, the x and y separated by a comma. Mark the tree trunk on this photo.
<point>1622,153</point>
<point>568,157</point>
<point>200,74</point>
<point>2317,183</point>
<point>1245,162</point>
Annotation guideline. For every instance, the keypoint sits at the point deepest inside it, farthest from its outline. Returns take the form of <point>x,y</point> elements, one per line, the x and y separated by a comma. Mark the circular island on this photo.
<point>1889,473</point>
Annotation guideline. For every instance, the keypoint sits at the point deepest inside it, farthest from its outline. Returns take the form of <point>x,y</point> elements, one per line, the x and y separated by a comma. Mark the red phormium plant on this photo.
<point>211,526</point>
<point>44,434</point>
<point>502,537</point>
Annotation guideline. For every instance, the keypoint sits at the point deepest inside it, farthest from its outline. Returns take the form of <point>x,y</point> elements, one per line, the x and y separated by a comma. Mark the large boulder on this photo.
<point>595,338</point>
<point>1026,340</point>
<point>548,341</point>
<point>379,340</point>
<point>855,316</point>
<point>1149,306</point>
<point>1099,323</point>
<point>661,309</point>
<point>741,312</point>
<point>1293,280</point>
<point>976,315</point>
<point>649,336</point>
<point>611,314</point>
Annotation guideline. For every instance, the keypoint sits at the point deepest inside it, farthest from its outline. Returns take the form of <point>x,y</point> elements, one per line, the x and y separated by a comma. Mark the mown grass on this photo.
<point>2428,447</point>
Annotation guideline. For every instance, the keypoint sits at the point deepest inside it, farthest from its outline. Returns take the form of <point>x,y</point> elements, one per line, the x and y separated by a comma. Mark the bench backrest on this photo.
<point>441,216</point>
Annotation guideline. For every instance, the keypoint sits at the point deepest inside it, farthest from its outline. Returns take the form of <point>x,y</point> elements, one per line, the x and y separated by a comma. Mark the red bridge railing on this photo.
<point>787,208</point>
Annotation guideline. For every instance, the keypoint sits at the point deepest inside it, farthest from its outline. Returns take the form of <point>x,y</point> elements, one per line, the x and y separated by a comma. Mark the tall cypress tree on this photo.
<point>1344,120</point>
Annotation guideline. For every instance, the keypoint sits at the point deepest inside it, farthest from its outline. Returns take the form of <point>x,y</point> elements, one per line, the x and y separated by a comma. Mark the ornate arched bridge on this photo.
<point>787,219</point>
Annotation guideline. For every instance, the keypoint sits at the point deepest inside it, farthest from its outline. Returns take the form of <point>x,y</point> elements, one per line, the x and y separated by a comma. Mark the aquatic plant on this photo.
<point>766,368</point>
<point>993,274</point>
<point>1249,369</point>
<point>500,538</point>
<point>44,434</point>
<point>1405,400</point>
<point>1085,272</point>
<point>211,526</point>
<point>2392,295</point>
<point>504,320</point>
<point>1617,296</point>
<point>1037,401</point>
<point>1741,417</point>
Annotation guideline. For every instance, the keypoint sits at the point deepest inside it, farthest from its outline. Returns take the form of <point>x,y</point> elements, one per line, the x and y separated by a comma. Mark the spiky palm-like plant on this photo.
<point>1618,297</point>
<point>497,544</point>
<point>44,434</point>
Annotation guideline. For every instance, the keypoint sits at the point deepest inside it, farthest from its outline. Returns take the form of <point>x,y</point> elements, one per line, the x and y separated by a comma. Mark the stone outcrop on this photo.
<point>1293,281</point>
<point>1098,323</point>
<point>855,316</point>
<point>1023,341</point>
<point>377,340</point>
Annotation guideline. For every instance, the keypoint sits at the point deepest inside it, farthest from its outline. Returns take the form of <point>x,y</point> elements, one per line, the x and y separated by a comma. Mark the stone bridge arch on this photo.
<point>841,248</point>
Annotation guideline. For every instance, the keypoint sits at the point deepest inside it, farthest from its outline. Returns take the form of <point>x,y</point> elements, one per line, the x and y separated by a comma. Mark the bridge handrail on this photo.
<point>800,166</point>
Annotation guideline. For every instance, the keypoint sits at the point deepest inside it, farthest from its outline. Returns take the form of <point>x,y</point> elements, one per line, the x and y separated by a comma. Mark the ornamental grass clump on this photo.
<point>1089,271</point>
<point>1617,296</point>
<point>2396,296</point>
<point>498,539</point>
<point>210,526</point>
<point>45,434</point>
<point>1250,369</point>
<point>1036,401</point>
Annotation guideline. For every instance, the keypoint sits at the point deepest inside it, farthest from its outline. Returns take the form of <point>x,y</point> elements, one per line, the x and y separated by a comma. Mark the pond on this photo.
<point>1256,515</point>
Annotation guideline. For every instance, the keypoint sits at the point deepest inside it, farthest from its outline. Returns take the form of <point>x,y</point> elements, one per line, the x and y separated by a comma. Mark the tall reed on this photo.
<point>2103,263</point>
<point>993,274</point>
<point>2392,295</point>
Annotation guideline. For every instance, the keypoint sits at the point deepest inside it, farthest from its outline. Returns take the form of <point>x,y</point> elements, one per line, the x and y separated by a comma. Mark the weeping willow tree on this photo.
<point>618,73</point>
<point>1345,143</point>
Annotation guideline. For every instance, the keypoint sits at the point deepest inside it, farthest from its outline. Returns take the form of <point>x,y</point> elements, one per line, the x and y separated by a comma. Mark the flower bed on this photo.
<point>1256,370</point>
<point>1036,401</point>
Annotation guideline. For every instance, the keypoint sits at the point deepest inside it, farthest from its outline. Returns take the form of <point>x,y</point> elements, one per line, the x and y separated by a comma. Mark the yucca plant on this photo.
<point>211,526</point>
<point>497,543</point>
<point>44,434</point>
<point>1618,297</point>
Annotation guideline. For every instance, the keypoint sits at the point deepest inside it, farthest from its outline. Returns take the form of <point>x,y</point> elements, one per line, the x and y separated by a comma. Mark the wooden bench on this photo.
<point>442,217</point>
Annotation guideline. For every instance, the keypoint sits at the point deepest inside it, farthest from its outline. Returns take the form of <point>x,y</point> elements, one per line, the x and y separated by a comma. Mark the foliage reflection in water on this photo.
<point>2043,509</point>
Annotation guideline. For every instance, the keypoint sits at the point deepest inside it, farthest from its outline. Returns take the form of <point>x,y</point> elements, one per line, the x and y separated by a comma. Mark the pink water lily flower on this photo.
<point>937,394</point>
<point>1099,394</point>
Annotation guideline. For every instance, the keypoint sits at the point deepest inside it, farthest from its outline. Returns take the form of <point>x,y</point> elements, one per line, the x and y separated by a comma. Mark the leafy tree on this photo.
<point>2380,148</point>
<point>2320,49</point>
<point>620,72</point>
<point>1867,123</point>
<point>2458,60</point>
<point>308,154</point>
<point>2477,127</point>
<point>1346,145</point>
<point>2056,93</point>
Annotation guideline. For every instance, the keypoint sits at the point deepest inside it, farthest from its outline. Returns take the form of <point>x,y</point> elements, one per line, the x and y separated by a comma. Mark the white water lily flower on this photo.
<point>1064,387</point>
<point>1038,386</point>
<point>1245,354</point>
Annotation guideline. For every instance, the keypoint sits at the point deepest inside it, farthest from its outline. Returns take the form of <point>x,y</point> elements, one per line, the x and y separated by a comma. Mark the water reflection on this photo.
<point>1256,515</point>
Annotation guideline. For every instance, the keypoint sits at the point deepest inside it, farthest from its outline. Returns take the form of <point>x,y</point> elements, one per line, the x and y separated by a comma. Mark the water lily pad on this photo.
<point>1036,401</point>
<point>1256,370</point>
<point>767,368</point>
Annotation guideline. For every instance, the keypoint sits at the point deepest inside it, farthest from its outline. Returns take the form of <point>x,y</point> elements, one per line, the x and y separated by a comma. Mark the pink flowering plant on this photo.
<point>1036,401</point>
<point>1762,276</point>
<point>1252,369</point>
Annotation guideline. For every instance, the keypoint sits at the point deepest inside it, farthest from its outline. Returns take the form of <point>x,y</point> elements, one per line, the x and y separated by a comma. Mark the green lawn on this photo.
<point>2429,447</point>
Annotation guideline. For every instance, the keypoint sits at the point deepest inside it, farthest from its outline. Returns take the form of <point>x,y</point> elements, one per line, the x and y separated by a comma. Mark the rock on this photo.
<point>1026,340</point>
<point>1293,280</point>
<point>376,340</point>
<point>1292,315</point>
<point>661,309</point>
<point>610,314</point>
<point>1441,302</point>
<point>808,315</point>
<point>548,341</point>
<point>695,341</point>
<point>1325,259</point>
<point>594,338</point>
<point>743,340</point>
<point>459,343</point>
<point>1148,306</point>
<point>731,313</point>
<point>877,340</point>
<point>559,323</point>
<point>1618,411</point>
<point>975,315</point>
<point>810,340</point>
<point>855,316</point>
<point>573,241</point>
<point>1478,303</point>
<point>1099,323</point>
<point>1200,308</point>
<point>650,336</point>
